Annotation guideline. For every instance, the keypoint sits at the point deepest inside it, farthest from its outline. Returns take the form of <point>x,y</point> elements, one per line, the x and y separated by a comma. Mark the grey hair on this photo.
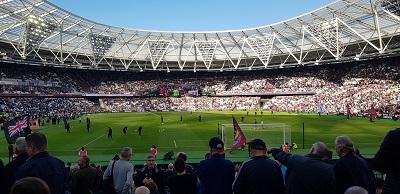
<point>345,144</point>
<point>20,144</point>
<point>320,149</point>
<point>126,151</point>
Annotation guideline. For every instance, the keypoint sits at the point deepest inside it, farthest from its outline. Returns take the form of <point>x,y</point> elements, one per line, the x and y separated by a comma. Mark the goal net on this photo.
<point>273,134</point>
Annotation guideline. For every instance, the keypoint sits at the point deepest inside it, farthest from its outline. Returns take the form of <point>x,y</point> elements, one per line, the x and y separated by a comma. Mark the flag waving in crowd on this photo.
<point>238,136</point>
<point>16,128</point>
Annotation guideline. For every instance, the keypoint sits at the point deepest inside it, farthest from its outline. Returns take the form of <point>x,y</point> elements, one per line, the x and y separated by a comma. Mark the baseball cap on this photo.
<point>258,144</point>
<point>216,143</point>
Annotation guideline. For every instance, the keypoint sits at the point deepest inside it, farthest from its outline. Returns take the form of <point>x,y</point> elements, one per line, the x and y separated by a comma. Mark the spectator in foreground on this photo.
<point>307,174</point>
<point>259,174</point>
<point>356,190</point>
<point>86,178</point>
<point>142,190</point>
<point>386,161</point>
<point>30,185</point>
<point>150,173</point>
<point>53,169</point>
<point>351,170</point>
<point>10,168</point>
<point>182,182</point>
<point>123,171</point>
<point>216,174</point>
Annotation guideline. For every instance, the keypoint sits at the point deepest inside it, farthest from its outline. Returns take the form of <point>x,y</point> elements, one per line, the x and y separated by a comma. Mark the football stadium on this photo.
<point>325,74</point>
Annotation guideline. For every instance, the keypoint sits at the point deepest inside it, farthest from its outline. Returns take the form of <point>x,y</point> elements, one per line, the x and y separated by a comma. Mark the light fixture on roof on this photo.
<point>392,6</point>
<point>100,45</point>
<point>36,31</point>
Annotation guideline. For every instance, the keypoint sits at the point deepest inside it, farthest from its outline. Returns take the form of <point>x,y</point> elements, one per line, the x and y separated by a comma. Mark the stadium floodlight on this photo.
<point>100,45</point>
<point>157,50</point>
<point>391,6</point>
<point>262,46</point>
<point>357,58</point>
<point>206,50</point>
<point>326,33</point>
<point>37,30</point>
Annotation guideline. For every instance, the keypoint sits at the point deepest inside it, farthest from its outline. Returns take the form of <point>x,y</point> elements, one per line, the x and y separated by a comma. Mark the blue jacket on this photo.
<point>216,175</point>
<point>48,168</point>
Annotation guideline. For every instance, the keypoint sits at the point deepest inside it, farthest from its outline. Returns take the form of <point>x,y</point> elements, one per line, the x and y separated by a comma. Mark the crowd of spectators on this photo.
<point>356,85</point>
<point>311,173</point>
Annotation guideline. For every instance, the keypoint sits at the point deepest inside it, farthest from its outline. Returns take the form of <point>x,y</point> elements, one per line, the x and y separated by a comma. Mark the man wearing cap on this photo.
<point>259,174</point>
<point>307,174</point>
<point>216,174</point>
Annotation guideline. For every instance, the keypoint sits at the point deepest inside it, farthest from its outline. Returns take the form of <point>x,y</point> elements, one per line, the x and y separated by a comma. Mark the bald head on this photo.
<point>356,190</point>
<point>142,190</point>
<point>319,149</point>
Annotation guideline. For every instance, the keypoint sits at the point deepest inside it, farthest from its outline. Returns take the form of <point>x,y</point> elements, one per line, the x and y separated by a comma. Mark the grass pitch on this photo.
<point>191,136</point>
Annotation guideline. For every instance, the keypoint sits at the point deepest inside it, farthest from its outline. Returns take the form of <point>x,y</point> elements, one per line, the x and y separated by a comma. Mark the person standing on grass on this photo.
<point>153,150</point>
<point>125,129</point>
<point>68,127</point>
<point>140,131</point>
<point>181,119</point>
<point>82,152</point>
<point>109,133</point>
<point>10,152</point>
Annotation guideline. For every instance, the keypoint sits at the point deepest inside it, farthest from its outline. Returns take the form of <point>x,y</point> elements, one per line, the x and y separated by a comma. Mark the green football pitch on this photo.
<point>192,136</point>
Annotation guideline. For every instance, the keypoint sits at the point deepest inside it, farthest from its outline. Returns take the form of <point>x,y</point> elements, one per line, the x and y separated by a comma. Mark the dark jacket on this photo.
<point>156,176</point>
<point>84,180</point>
<point>9,171</point>
<point>259,175</point>
<point>351,170</point>
<point>48,168</point>
<point>306,174</point>
<point>387,160</point>
<point>216,175</point>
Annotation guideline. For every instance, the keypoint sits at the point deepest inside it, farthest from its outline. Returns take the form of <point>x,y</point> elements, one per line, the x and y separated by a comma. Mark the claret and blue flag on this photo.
<point>16,128</point>
<point>238,136</point>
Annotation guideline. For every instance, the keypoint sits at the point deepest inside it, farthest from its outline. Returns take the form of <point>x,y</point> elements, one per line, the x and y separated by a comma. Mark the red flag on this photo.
<point>238,136</point>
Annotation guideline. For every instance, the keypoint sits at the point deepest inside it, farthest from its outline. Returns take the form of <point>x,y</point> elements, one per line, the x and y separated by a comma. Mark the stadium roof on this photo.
<point>40,33</point>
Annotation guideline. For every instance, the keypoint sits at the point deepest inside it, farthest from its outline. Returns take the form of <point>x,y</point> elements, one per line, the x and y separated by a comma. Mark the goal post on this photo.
<point>273,134</point>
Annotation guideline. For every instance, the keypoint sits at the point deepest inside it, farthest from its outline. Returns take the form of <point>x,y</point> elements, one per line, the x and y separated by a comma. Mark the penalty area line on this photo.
<point>92,141</point>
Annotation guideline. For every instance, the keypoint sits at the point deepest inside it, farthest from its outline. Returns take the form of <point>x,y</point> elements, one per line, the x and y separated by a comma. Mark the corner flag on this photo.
<point>16,128</point>
<point>238,136</point>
